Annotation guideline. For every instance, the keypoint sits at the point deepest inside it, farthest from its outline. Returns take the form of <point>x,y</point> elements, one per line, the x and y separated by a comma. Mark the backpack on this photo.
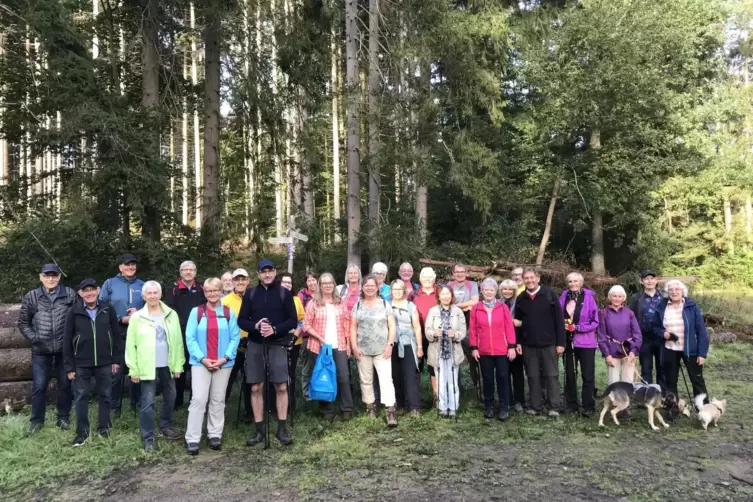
<point>323,385</point>
<point>202,311</point>
<point>358,304</point>
<point>252,292</point>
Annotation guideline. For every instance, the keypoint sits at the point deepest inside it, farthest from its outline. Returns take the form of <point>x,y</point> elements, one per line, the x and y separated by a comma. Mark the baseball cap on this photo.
<point>87,283</point>
<point>50,268</point>
<point>240,272</point>
<point>127,258</point>
<point>646,273</point>
<point>265,264</point>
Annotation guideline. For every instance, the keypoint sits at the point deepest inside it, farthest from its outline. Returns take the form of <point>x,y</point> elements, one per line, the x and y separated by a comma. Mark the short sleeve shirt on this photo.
<point>373,330</point>
<point>462,293</point>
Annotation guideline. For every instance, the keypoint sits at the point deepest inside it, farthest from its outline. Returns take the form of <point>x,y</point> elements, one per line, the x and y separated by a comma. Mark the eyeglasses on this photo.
<point>398,289</point>
<point>51,276</point>
<point>327,283</point>
<point>211,291</point>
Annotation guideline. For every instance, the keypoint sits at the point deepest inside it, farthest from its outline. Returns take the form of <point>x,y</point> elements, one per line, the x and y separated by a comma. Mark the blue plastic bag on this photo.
<point>323,386</point>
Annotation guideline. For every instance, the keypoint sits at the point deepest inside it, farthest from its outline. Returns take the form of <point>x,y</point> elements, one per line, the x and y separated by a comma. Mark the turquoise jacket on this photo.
<point>122,294</point>
<point>196,336</point>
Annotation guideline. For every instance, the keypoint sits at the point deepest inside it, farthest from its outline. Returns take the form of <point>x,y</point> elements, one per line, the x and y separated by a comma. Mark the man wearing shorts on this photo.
<point>268,314</point>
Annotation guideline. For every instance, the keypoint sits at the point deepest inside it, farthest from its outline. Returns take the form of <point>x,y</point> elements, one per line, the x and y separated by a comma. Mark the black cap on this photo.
<point>646,273</point>
<point>86,283</point>
<point>265,264</point>
<point>127,258</point>
<point>50,268</point>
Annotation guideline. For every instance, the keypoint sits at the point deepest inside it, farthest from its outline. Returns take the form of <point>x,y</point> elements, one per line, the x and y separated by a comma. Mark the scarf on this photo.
<point>445,351</point>
<point>489,304</point>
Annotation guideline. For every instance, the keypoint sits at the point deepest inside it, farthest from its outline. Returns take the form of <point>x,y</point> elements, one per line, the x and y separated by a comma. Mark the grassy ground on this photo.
<point>528,458</point>
<point>734,306</point>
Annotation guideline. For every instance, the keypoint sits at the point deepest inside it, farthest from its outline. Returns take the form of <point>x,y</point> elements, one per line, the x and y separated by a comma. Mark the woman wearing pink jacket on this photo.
<point>492,338</point>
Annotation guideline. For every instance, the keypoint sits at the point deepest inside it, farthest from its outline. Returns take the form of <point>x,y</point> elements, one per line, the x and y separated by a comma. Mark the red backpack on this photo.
<point>202,311</point>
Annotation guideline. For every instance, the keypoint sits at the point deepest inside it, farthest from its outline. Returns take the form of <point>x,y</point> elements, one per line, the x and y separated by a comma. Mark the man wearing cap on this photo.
<point>42,321</point>
<point>233,302</point>
<point>644,305</point>
<point>92,348</point>
<point>268,315</point>
<point>123,292</point>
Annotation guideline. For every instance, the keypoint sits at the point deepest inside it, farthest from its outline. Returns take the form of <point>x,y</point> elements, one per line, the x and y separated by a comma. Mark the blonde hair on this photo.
<point>318,294</point>
<point>213,282</point>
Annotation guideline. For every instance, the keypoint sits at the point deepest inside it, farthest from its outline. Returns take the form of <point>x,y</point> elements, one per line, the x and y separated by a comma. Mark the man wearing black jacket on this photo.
<point>268,315</point>
<point>91,348</point>
<point>182,297</point>
<point>543,339</point>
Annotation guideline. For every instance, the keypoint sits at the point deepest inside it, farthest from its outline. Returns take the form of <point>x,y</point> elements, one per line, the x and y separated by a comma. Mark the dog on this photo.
<point>619,394</point>
<point>709,413</point>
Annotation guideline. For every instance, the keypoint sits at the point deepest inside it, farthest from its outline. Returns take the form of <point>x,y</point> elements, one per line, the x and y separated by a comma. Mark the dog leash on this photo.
<point>687,389</point>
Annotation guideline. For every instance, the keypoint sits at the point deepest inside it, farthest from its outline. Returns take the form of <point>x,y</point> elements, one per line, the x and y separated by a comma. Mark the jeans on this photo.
<point>672,361</point>
<point>652,354</point>
<point>42,370</point>
<point>343,385</point>
<point>541,364</point>
<point>584,360</point>
<point>499,365</point>
<point>83,389</point>
<point>308,360</point>
<point>448,391</point>
<point>149,402</point>
<point>134,391</point>
<point>180,385</point>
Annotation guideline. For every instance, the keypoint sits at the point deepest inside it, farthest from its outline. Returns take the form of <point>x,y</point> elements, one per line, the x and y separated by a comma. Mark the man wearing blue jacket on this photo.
<point>123,292</point>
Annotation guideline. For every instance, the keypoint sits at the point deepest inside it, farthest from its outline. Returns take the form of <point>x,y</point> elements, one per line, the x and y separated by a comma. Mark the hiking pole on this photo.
<point>291,397</point>
<point>455,395</point>
<point>265,398</point>
<point>439,383</point>
<point>122,390</point>
<point>240,397</point>
<point>687,389</point>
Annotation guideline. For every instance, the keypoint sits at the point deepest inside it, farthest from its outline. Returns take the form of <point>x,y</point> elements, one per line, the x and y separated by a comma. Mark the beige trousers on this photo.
<point>207,388</point>
<point>621,372</point>
<point>366,367</point>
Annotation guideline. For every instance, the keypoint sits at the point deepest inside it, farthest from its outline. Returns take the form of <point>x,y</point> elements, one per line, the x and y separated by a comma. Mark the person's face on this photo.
<point>574,285</point>
<point>227,282</point>
<point>445,297</point>
<point>675,293</point>
<point>489,293</point>
<point>397,291</point>
<point>50,280</point>
<point>380,277</point>
<point>89,294</point>
<point>427,282</point>
<point>212,294</point>
<point>459,274</point>
<point>370,289</point>
<point>241,283</point>
<point>353,276</point>
<point>311,284</point>
<point>267,276</point>
<point>508,293</point>
<point>649,282</point>
<point>287,283</point>
<point>531,280</point>
<point>517,275</point>
<point>328,285</point>
<point>188,274</point>
<point>151,296</point>
<point>617,299</point>
<point>127,270</point>
<point>406,272</point>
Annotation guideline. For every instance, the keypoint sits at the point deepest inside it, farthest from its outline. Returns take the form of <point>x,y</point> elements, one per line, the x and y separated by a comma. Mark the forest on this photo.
<point>604,135</point>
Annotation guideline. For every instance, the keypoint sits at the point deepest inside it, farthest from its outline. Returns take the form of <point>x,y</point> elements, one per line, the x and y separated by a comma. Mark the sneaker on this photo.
<point>532,412</point>
<point>172,433</point>
<point>192,448</point>
<point>258,437</point>
<point>64,424</point>
<point>489,413</point>
<point>215,444</point>
<point>518,408</point>
<point>283,435</point>
<point>391,417</point>
<point>149,445</point>
<point>503,416</point>
<point>105,433</point>
<point>80,440</point>
<point>553,414</point>
<point>34,427</point>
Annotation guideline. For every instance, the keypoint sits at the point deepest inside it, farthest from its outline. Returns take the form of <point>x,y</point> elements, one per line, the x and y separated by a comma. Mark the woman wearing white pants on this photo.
<point>372,337</point>
<point>619,337</point>
<point>212,338</point>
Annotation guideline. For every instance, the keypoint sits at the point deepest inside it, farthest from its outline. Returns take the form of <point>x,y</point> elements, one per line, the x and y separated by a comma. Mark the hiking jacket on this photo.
<point>228,336</point>
<point>696,338</point>
<point>88,342</point>
<point>636,305</point>
<point>543,322</point>
<point>586,319</point>
<point>619,332</point>
<point>273,302</point>
<point>183,299</point>
<point>457,324</point>
<point>43,322</point>
<point>140,351</point>
<point>495,338</point>
<point>122,294</point>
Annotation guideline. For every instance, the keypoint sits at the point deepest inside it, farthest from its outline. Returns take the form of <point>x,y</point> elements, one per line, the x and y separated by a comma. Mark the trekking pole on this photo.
<point>687,389</point>
<point>122,390</point>
<point>291,397</point>
<point>455,396</point>
<point>265,398</point>
<point>439,383</point>
<point>240,397</point>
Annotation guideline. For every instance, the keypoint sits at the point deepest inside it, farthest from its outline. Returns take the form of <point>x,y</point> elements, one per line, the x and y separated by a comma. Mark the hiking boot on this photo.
<point>415,414</point>
<point>503,416</point>
<point>489,413</point>
<point>172,433</point>
<point>283,435</point>
<point>371,412</point>
<point>391,417</point>
<point>192,448</point>
<point>149,445</point>
<point>80,440</point>
<point>258,437</point>
<point>345,416</point>
<point>587,413</point>
<point>215,444</point>
<point>553,414</point>
<point>105,433</point>
<point>248,418</point>
<point>34,427</point>
<point>532,412</point>
<point>64,424</point>
<point>518,408</point>
<point>401,412</point>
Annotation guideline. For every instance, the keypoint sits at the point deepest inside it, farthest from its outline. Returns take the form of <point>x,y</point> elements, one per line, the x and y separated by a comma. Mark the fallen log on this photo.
<point>9,315</point>
<point>14,395</point>
<point>15,365</point>
<point>11,338</point>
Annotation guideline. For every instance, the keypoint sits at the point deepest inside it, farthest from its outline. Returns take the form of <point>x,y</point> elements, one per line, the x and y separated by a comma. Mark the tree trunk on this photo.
<point>149,101</point>
<point>548,225</point>
<point>598,265</point>
<point>422,188</point>
<point>212,205</point>
<point>375,182</point>
<point>249,144</point>
<point>728,225</point>
<point>196,140</point>
<point>335,90</point>
<point>354,132</point>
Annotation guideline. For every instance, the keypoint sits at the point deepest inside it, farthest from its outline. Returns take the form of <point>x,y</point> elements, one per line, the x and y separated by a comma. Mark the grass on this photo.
<point>366,454</point>
<point>736,307</point>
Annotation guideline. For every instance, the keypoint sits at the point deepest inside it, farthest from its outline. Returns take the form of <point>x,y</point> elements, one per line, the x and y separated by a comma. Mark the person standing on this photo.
<point>92,348</point>
<point>379,270</point>
<point>212,338</point>
<point>508,294</point>
<point>409,344</point>
<point>619,337</point>
<point>228,285</point>
<point>406,275</point>
<point>233,301</point>
<point>183,297</point>
<point>516,274</point>
<point>294,352</point>
<point>350,290</point>
<point>581,320</point>
<point>307,360</point>
<point>466,296</point>
<point>542,340</point>
<point>644,305</point>
<point>154,350</point>
<point>41,320</point>
<point>123,292</point>
<point>268,315</point>
<point>424,300</point>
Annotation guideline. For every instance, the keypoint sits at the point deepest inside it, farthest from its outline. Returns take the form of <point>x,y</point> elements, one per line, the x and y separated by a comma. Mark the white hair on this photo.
<point>489,283</point>
<point>676,282</point>
<point>406,264</point>
<point>508,283</point>
<point>185,264</point>
<point>350,267</point>
<point>151,285</point>
<point>574,276</point>
<point>616,289</point>
<point>378,267</point>
<point>427,273</point>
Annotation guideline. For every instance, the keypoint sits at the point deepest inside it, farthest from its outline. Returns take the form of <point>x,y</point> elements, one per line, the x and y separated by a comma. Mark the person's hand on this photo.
<point>135,379</point>
<point>511,354</point>
<point>387,351</point>
<point>177,374</point>
<point>131,311</point>
<point>701,360</point>
<point>475,355</point>
<point>115,368</point>
<point>451,333</point>
<point>219,362</point>
<point>631,359</point>
<point>667,335</point>
<point>438,333</point>
<point>560,350</point>
<point>519,349</point>
<point>610,361</point>
<point>420,352</point>
<point>517,323</point>
<point>570,328</point>
<point>125,319</point>
<point>266,329</point>
<point>71,375</point>
<point>207,363</point>
<point>357,353</point>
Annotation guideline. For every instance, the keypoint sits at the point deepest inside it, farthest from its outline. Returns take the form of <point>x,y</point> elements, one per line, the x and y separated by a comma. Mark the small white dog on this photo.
<point>709,413</point>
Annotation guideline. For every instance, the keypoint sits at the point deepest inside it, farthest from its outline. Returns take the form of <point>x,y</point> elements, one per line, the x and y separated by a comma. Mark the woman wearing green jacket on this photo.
<point>154,350</point>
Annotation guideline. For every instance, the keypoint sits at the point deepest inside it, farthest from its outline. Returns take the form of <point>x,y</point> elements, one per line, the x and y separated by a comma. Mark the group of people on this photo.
<point>508,333</point>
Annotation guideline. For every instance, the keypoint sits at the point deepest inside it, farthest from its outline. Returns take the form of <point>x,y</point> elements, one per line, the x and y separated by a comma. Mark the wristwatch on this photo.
<point>391,344</point>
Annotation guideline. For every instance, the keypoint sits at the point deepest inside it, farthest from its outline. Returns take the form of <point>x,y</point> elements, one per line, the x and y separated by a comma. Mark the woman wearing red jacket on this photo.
<point>492,337</point>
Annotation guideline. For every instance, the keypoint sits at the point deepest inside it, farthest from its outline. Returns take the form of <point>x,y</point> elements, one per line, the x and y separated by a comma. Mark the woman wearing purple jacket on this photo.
<point>581,320</point>
<point>619,337</point>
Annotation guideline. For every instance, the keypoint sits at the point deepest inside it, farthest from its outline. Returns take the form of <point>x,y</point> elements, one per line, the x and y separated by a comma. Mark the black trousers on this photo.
<point>240,360</point>
<point>584,358</point>
<point>672,361</point>
<point>405,379</point>
<point>180,386</point>
<point>495,368</point>
<point>83,390</point>
<point>517,381</point>
<point>651,353</point>
<point>542,370</point>
<point>293,355</point>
